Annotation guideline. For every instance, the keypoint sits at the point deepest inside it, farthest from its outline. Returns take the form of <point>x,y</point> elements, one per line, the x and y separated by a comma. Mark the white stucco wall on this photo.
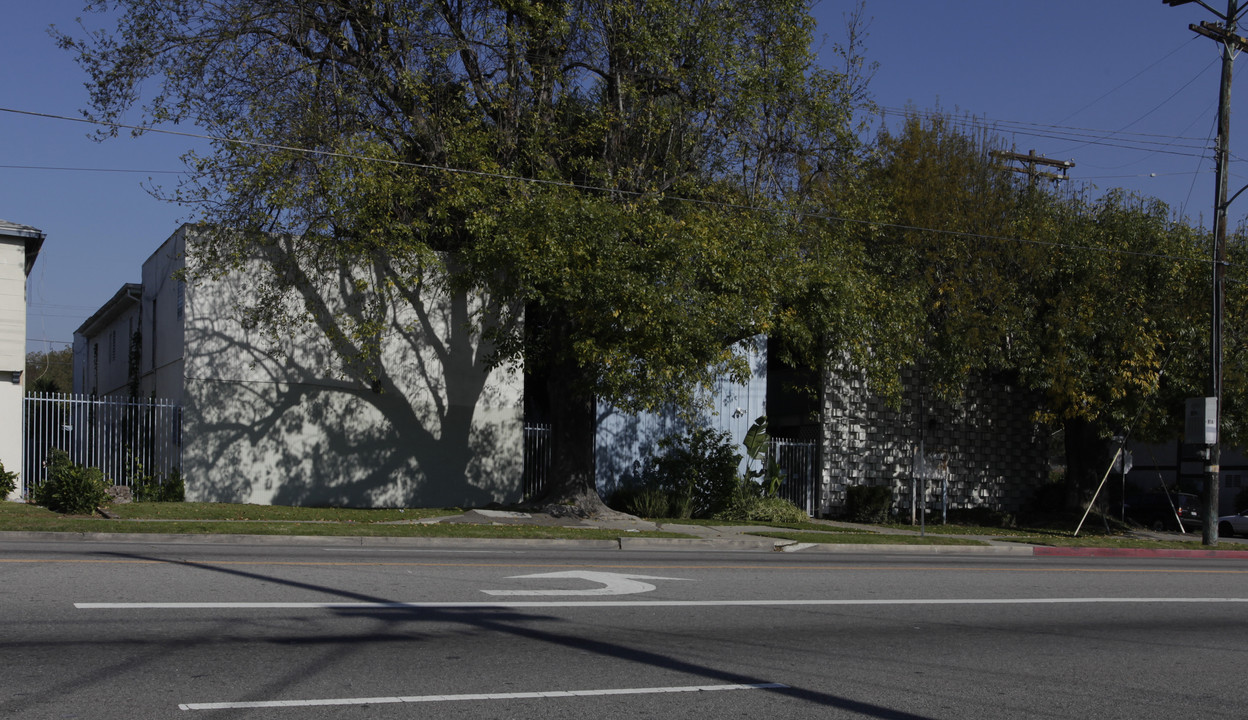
<point>19,246</point>
<point>283,423</point>
<point>12,349</point>
<point>161,370</point>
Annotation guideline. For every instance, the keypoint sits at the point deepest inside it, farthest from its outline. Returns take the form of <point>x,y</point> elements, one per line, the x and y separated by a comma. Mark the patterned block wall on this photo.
<point>986,446</point>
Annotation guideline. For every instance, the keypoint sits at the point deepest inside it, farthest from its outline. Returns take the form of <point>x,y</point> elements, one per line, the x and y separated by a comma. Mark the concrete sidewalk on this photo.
<point>739,537</point>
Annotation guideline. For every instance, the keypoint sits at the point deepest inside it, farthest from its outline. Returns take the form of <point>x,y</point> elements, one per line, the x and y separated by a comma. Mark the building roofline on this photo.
<point>127,297</point>
<point>33,236</point>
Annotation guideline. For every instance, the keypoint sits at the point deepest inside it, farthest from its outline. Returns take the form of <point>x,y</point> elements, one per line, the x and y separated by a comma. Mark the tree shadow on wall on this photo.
<point>412,415</point>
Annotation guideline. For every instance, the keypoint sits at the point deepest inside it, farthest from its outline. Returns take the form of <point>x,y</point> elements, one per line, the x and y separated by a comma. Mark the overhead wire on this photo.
<point>594,188</point>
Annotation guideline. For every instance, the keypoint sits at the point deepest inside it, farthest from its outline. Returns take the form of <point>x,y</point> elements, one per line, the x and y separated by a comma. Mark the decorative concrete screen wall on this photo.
<point>283,420</point>
<point>992,451</point>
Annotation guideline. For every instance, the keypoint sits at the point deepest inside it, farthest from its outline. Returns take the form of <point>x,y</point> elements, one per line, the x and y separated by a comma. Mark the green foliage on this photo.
<point>868,504</point>
<point>744,506</point>
<point>1049,497</point>
<point>148,488</point>
<point>51,371</point>
<point>71,489</point>
<point>698,472</point>
<point>8,482</point>
<point>756,443</point>
<point>635,292</point>
<point>644,501</point>
<point>982,517</point>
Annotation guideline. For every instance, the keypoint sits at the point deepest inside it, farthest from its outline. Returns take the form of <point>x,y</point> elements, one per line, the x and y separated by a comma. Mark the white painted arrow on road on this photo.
<point>613,584</point>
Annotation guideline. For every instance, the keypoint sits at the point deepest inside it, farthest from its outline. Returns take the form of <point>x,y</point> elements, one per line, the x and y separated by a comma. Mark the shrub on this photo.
<point>1049,497</point>
<point>982,516</point>
<point>173,489</point>
<point>745,507</point>
<point>8,482</point>
<point>868,504</point>
<point>150,489</point>
<point>697,473</point>
<point>71,489</point>
<point>650,502</point>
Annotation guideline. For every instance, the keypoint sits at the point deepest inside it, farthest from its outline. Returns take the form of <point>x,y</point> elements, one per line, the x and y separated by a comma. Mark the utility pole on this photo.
<point>1030,161</point>
<point>1224,34</point>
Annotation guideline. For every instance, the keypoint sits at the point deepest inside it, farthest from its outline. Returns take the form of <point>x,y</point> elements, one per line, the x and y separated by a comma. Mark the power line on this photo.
<point>87,169</point>
<point>1129,80</point>
<point>595,188</point>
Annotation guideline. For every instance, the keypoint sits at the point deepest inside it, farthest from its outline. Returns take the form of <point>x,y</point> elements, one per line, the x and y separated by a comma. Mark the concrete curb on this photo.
<point>885,549</point>
<point>1045,551</point>
<point>332,540</point>
<point>626,542</point>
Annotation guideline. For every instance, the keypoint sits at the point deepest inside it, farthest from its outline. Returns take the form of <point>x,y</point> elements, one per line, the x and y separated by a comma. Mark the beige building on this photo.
<point>19,246</point>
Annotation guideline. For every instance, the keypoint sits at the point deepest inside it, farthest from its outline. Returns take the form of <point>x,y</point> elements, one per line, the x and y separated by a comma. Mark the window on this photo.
<point>112,346</point>
<point>181,297</point>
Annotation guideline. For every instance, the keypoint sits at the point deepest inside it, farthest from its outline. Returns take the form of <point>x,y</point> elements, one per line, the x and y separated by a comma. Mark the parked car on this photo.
<point>1232,525</point>
<point>1164,511</point>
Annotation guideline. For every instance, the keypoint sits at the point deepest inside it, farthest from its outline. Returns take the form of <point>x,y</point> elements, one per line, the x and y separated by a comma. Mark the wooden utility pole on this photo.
<point>1030,161</point>
<point>1224,34</point>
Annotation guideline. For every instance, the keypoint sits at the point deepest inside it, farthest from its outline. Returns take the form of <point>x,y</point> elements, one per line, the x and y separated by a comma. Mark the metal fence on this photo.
<point>536,457</point>
<point>126,438</point>
<point>798,463</point>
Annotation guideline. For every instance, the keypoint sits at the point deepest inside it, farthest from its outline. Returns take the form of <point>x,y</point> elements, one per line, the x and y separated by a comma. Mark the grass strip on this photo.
<point>811,526</point>
<point>842,538</point>
<point>229,511</point>
<point>19,517</point>
<point>1109,541</point>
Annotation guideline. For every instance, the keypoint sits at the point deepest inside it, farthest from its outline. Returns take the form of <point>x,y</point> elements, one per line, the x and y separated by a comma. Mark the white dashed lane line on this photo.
<point>474,696</point>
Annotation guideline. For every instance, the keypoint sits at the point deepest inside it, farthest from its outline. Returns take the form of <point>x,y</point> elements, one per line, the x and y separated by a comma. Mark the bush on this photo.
<point>981,516</point>
<point>149,489</point>
<point>173,489</point>
<point>696,473</point>
<point>8,482</point>
<point>71,489</point>
<point>868,504</point>
<point>647,502</point>
<point>1049,497</point>
<point>744,507</point>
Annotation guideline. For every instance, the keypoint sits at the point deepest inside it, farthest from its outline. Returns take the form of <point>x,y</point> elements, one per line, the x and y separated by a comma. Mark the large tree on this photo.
<point>1094,303</point>
<point>598,163</point>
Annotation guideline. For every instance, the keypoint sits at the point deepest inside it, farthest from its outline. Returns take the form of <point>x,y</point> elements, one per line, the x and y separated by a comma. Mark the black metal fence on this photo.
<point>797,461</point>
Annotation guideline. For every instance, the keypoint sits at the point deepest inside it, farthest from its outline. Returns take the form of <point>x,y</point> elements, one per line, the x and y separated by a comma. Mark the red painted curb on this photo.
<point>1136,552</point>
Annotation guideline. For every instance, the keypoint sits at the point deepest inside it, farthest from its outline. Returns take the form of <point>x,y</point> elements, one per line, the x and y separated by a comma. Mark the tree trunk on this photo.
<point>1085,461</point>
<point>571,409</point>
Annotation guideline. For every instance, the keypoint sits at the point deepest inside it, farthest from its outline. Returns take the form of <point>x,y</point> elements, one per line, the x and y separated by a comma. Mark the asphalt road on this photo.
<point>138,630</point>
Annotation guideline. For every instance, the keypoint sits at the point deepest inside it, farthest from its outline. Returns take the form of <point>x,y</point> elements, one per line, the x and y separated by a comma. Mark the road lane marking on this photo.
<point>524,604</point>
<point>805,568</point>
<point>475,696</point>
<point>612,584</point>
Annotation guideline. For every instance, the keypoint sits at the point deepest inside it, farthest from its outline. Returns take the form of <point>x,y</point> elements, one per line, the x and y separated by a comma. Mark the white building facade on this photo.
<point>278,418</point>
<point>19,247</point>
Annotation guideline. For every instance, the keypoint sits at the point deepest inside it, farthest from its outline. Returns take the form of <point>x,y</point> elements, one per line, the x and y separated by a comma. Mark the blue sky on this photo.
<point>1121,87</point>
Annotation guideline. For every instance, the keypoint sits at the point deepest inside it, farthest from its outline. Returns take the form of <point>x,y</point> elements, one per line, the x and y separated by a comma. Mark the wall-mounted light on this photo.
<point>17,377</point>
